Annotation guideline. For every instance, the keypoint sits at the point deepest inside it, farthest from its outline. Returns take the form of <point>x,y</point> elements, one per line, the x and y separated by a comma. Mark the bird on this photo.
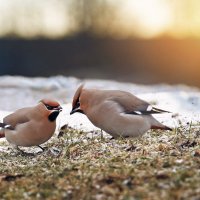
<point>119,113</point>
<point>31,126</point>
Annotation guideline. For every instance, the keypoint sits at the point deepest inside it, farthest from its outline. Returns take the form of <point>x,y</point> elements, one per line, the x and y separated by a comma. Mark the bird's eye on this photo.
<point>49,107</point>
<point>77,105</point>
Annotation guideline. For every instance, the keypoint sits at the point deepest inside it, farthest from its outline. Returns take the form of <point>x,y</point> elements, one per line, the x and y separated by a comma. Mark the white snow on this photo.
<point>17,92</point>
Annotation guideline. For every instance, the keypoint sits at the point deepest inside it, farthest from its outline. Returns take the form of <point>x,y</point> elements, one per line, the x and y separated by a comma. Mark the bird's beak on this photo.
<point>76,110</point>
<point>73,111</point>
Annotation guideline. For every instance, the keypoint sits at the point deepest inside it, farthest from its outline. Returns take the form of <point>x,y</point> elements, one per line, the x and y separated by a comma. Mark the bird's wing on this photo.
<point>133,105</point>
<point>18,117</point>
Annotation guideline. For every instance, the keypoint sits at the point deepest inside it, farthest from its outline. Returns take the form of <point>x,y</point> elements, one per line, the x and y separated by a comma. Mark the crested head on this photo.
<point>52,108</point>
<point>76,100</point>
<point>51,104</point>
<point>77,95</point>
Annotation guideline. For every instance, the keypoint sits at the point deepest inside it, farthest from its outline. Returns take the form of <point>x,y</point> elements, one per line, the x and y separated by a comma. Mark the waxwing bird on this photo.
<point>119,113</point>
<point>31,126</point>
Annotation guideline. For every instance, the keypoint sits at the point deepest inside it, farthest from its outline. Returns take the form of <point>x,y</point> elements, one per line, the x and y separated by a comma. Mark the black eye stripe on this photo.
<point>77,104</point>
<point>50,107</point>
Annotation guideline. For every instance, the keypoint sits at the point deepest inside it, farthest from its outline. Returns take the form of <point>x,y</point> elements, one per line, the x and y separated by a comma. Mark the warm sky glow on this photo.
<point>141,18</point>
<point>148,18</point>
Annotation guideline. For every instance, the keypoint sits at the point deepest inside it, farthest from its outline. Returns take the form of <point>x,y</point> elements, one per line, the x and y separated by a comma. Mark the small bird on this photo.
<point>31,126</point>
<point>119,113</point>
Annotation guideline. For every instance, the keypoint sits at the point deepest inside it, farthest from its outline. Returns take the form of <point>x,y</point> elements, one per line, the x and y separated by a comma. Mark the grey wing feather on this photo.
<point>148,112</point>
<point>18,117</point>
<point>133,105</point>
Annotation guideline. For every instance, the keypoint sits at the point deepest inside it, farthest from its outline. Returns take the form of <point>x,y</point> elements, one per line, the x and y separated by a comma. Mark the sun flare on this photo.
<point>148,18</point>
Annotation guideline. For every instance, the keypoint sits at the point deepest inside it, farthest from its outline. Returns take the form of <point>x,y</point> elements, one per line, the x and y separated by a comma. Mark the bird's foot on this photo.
<point>42,148</point>
<point>21,152</point>
<point>102,135</point>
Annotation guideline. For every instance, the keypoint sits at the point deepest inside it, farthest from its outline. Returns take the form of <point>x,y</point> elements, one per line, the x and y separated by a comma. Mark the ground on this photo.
<point>78,165</point>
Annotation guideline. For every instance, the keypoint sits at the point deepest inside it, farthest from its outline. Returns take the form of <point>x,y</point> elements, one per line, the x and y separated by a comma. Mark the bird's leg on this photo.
<point>101,134</point>
<point>16,148</point>
<point>40,147</point>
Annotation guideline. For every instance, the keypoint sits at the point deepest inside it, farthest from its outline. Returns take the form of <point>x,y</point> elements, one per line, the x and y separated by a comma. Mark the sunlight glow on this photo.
<point>186,21</point>
<point>129,18</point>
<point>29,18</point>
<point>153,16</point>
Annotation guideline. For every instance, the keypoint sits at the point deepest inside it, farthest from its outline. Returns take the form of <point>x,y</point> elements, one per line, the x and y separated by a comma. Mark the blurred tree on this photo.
<point>92,17</point>
<point>115,18</point>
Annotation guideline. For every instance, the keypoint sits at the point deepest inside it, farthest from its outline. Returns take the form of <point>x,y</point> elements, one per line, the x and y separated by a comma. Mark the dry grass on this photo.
<point>159,165</point>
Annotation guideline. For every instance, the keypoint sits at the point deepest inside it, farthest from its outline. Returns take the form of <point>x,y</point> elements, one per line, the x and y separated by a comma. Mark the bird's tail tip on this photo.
<point>168,128</point>
<point>159,111</point>
<point>162,128</point>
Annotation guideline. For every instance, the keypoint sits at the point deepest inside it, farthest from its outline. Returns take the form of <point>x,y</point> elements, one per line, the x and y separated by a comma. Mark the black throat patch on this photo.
<point>52,117</point>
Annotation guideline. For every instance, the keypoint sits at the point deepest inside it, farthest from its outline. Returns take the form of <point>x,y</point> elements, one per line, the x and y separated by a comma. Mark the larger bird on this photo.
<point>119,113</point>
<point>31,126</point>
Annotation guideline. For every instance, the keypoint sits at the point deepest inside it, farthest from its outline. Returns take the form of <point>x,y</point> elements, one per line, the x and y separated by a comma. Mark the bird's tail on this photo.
<point>163,127</point>
<point>155,124</point>
<point>158,111</point>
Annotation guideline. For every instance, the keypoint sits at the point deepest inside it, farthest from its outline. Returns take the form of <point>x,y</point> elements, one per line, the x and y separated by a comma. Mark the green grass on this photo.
<point>159,165</point>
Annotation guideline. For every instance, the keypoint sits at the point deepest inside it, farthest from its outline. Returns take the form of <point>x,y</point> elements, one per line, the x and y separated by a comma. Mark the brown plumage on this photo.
<point>119,113</point>
<point>32,125</point>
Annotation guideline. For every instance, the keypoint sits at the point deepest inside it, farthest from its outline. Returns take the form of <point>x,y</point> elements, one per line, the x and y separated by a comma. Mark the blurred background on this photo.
<point>140,41</point>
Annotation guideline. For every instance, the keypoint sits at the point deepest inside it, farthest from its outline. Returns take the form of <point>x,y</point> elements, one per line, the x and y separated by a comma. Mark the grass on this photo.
<point>159,165</point>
